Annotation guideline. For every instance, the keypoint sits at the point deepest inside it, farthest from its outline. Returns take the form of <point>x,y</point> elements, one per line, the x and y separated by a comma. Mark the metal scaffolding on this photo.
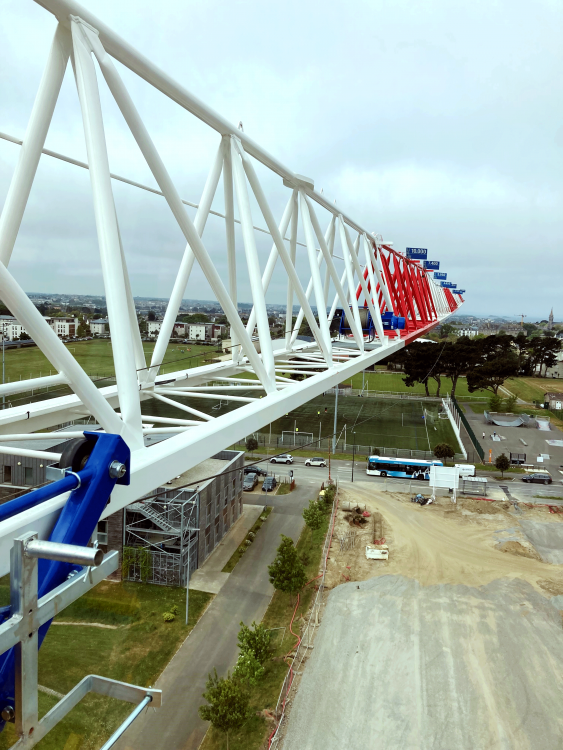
<point>167,530</point>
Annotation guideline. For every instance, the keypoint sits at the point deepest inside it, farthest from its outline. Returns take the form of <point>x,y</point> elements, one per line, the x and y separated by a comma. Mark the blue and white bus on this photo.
<point>409,468</point>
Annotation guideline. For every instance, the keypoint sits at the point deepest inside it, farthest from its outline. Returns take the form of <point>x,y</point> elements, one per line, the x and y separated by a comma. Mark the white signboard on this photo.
<point>444,477</point>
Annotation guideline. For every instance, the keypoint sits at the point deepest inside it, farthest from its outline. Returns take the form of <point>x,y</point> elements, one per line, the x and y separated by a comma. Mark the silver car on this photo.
<point>315,462</point>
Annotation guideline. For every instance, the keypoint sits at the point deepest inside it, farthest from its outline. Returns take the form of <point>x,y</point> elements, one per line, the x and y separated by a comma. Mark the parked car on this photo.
<point>315,462</point>
<point>255,470</point>
<point>541,477</point>
<point>284,458</point>
<point>269,484</point>
<point>250,482</point>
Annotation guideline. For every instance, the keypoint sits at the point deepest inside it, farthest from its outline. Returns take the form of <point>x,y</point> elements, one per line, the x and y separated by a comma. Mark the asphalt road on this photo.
<point>343,471</point>
<point>213,642</point>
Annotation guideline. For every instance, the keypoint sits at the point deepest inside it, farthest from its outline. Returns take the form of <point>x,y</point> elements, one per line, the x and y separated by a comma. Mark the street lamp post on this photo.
<point>335,416</point>
<point>353,454</point>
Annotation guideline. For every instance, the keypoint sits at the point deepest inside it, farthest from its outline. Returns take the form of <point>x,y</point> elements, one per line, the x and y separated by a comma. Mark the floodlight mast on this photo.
<point>375,310</point>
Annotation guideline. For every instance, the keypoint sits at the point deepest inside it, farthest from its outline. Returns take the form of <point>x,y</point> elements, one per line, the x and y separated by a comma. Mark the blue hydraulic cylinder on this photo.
<point>76,524</point>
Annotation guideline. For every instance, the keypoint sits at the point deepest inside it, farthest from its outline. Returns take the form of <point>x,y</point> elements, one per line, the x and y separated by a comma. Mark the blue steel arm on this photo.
<point>75,525</point>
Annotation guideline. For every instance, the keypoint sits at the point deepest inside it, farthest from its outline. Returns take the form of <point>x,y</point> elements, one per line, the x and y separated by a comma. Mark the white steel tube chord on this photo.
<point>28,453</point>
<point>344,285</point>
<point>380,277</point>
<point>271,262</point>
<point>301,313</point>
<point>330,245</point>
<point>356,330</point>
<point>185,270</point>
<point>350,277</point>
<point>253,265</point>
<point>183,407</point>
<point>139,64</point>
<point>21,386</point>
<point>17,301</point>
<point>108,237</point>
<point>315,274</point>
<point>140,361</point>
<point>284,255</point>
<point>156,165</point>
<point>33,142</point>
<point>354,257</point>
<point>199,394</point>
<point>292,256</point>
<point>373,295</point>
<point>236,351</point>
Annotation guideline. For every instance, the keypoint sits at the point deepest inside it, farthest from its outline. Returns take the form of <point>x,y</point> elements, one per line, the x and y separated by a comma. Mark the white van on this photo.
<point>466,470</point>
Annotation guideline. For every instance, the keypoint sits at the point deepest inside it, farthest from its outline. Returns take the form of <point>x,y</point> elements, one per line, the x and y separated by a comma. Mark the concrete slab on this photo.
<point>210,577</point>
<point>211,581</point>
<point>403,666</point>
<point>547,538</point>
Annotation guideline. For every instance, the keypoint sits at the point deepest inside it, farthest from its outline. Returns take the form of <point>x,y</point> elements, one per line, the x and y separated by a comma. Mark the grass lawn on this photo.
<point>136,650</point>
<point>278,615</point>
<point>389,381</point>
<point>241,549</point>
<point>96,358</point>
<point>528,389</point>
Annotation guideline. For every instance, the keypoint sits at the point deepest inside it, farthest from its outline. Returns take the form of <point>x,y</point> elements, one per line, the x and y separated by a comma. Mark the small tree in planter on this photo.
<point>227,700</point>
<point>287,572</point>
<point>313,515</point>
<point>502,464</point>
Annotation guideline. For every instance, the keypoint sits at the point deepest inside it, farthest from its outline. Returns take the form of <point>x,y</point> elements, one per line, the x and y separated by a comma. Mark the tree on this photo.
<point>287,572</point>
<point>228,703</point>
<point>421,362</point>
<point>151,315</point>
<point>255,639</point>
<point>25,336</point>
<point>251,444</point>
<point>83,329</point>
<point>313,515</point>
<point>502,463</point>
<point>443,451</point>
<point>495,362</point>
<point>445,330</point>
<point>511,402</point>
<point>457,359</point>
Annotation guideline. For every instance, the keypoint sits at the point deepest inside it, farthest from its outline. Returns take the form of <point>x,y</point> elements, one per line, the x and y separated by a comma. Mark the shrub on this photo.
<point>174,609</point>
<point>168,617</point>
<point>251,444</point>
<point>496,403</point>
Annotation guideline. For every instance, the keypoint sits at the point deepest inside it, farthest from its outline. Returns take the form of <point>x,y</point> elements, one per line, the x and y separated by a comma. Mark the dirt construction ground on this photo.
<point>454,642</point>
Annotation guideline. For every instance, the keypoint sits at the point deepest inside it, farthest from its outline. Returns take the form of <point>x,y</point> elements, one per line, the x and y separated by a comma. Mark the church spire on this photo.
<point>550,324</point>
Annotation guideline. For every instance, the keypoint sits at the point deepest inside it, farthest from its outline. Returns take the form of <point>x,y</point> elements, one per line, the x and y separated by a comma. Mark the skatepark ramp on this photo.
<point>509,420</point>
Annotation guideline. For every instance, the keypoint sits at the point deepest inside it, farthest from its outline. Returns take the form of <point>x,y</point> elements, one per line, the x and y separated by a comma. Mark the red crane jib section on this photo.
<point>409,290</point>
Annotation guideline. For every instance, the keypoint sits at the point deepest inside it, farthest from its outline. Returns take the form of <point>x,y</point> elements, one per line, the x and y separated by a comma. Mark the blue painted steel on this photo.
<point>19,504</point>
<point>431,265</point>
<point>440,275</point>
<point>448,285</point>
<point>392,322</point>
<point>76,524</point>
<point>417,253</point>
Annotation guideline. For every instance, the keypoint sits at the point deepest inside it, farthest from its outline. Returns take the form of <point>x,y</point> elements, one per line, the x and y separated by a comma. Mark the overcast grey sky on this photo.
<point>437,124</point>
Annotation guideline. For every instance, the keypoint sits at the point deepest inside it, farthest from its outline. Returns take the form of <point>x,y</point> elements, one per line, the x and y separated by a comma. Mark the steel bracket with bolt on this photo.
<point>45,578</point>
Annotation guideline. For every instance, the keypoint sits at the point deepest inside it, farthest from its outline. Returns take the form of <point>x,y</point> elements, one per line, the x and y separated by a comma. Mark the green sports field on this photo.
<point>392,423</point>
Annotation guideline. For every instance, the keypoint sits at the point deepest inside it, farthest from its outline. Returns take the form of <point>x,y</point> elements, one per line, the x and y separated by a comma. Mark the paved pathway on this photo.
<point>213,642</point>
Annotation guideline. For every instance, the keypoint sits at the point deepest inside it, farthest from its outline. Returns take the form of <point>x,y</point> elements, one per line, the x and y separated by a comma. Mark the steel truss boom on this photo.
<point>373,285</point>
